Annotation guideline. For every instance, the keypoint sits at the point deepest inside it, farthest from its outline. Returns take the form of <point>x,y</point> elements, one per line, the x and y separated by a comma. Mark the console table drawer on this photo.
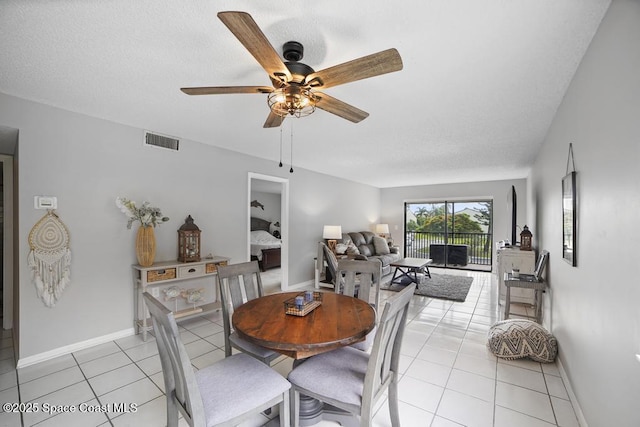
<point>161,274</point>
<point>190,271</point>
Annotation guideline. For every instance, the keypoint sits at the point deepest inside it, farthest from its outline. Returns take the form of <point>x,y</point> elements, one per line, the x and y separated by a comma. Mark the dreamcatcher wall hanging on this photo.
<point>50,257</point>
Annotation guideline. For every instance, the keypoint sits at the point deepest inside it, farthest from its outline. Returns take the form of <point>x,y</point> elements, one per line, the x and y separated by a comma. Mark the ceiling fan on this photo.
<point>296,86</point>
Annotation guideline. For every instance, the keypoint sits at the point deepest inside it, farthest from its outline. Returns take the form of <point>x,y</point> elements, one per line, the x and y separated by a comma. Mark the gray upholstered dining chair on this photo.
<point>354,380</point>
<point>361,279</point>
<point>325,254</point>
<point>222,394</point>
<point>239,283</point>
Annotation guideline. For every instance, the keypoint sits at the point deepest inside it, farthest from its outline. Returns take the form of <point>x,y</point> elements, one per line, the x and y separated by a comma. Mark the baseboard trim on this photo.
<point>572,396</point>
<point>61,351</point>
<point>302,285</point>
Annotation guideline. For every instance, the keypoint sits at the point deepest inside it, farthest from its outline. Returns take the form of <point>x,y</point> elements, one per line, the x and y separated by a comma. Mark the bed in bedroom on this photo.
<point>264,246</point>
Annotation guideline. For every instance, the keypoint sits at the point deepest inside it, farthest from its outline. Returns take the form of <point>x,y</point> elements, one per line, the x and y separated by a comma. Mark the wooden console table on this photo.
<point>506,260</point>
<point>149,279</point>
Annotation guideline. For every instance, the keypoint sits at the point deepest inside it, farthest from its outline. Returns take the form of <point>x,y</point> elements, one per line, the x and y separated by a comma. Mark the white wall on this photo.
<point>594,309</point>
<point>392,203</point>
<point>88,162</point>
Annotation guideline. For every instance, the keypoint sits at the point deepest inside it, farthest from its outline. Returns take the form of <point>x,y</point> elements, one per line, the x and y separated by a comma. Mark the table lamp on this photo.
<point>382,229</point>
<point>331,233</point>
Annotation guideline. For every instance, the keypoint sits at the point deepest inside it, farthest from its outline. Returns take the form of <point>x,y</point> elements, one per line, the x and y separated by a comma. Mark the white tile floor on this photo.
<point>448,376</point>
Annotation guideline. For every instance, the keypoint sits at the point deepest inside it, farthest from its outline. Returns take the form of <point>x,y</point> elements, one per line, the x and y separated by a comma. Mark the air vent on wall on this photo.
<point>161,141</point>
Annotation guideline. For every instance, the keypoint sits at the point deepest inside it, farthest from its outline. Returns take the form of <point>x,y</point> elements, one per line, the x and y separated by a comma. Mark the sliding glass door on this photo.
<point>452,233</point>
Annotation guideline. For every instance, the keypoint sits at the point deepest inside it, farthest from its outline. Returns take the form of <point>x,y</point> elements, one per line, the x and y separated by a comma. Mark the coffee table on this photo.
<point>409,268</point>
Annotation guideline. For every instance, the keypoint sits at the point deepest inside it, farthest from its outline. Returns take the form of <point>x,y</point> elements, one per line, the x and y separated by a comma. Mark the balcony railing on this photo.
<point>418,244</point>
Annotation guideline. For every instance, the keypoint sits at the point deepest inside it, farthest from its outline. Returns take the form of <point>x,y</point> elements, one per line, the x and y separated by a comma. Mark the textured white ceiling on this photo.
<point>482,79</point>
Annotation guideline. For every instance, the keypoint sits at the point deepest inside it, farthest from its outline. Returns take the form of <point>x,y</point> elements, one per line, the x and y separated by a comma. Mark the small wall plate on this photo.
<point>45,202</point>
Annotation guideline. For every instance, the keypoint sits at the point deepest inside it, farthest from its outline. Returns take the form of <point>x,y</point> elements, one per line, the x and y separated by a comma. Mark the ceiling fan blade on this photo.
<point>222,90</point>
<point>339,108</point>
<point>273,121</point>
<point>242,25</point>
<point>373,65</point>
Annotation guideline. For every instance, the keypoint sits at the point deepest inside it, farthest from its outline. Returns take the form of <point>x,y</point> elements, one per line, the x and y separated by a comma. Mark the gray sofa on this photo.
<point>371,246</point>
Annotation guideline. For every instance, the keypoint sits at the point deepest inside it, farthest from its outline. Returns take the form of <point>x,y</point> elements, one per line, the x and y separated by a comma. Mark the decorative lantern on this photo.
<point>188,241</point>
<point>525,239</point>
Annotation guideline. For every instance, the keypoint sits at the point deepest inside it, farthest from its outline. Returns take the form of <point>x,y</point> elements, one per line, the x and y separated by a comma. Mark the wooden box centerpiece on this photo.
<point>303,303</point>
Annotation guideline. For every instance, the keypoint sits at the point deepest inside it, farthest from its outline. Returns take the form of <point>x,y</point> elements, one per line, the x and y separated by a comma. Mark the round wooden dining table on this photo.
<point>339,321</point>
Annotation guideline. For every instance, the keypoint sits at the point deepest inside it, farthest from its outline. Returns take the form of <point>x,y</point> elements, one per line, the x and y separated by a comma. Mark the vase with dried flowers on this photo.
<point>148,217</point>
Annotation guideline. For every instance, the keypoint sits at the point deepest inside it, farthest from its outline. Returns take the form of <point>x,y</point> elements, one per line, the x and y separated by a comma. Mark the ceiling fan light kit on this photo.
<point>292,100</point>
<point>296,86</point>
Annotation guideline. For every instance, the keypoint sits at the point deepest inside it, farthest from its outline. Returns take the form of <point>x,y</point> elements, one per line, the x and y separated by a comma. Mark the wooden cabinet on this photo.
<point>506,260</point>
<point>162,275</point>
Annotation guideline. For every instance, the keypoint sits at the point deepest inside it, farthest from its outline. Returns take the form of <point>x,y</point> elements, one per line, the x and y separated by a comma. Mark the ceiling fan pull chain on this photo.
<point>280,164</point>
<point>291,170</point>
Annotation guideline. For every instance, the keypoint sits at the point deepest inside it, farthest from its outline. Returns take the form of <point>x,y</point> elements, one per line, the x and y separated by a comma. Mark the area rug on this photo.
<point>441,286</point>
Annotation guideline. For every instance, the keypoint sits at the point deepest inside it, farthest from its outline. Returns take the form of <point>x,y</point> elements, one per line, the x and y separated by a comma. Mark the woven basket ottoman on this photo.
<point>518,338</point>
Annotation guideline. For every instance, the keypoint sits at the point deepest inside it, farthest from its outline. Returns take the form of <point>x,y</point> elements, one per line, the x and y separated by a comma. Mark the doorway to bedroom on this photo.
<point>268,201</point>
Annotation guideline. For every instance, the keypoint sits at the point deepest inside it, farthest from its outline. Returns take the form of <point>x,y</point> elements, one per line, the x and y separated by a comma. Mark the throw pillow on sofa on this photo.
<point>365,250</point>
<point>341,248</point>
<point>352,249</point>
<point>381,246</point>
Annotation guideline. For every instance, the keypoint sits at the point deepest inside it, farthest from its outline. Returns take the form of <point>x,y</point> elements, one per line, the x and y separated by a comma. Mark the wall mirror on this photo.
<point>569,218</point>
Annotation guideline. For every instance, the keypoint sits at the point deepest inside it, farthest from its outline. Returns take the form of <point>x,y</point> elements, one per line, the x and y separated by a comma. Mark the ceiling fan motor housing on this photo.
<point>292,51</point>
<point>298,71</point>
